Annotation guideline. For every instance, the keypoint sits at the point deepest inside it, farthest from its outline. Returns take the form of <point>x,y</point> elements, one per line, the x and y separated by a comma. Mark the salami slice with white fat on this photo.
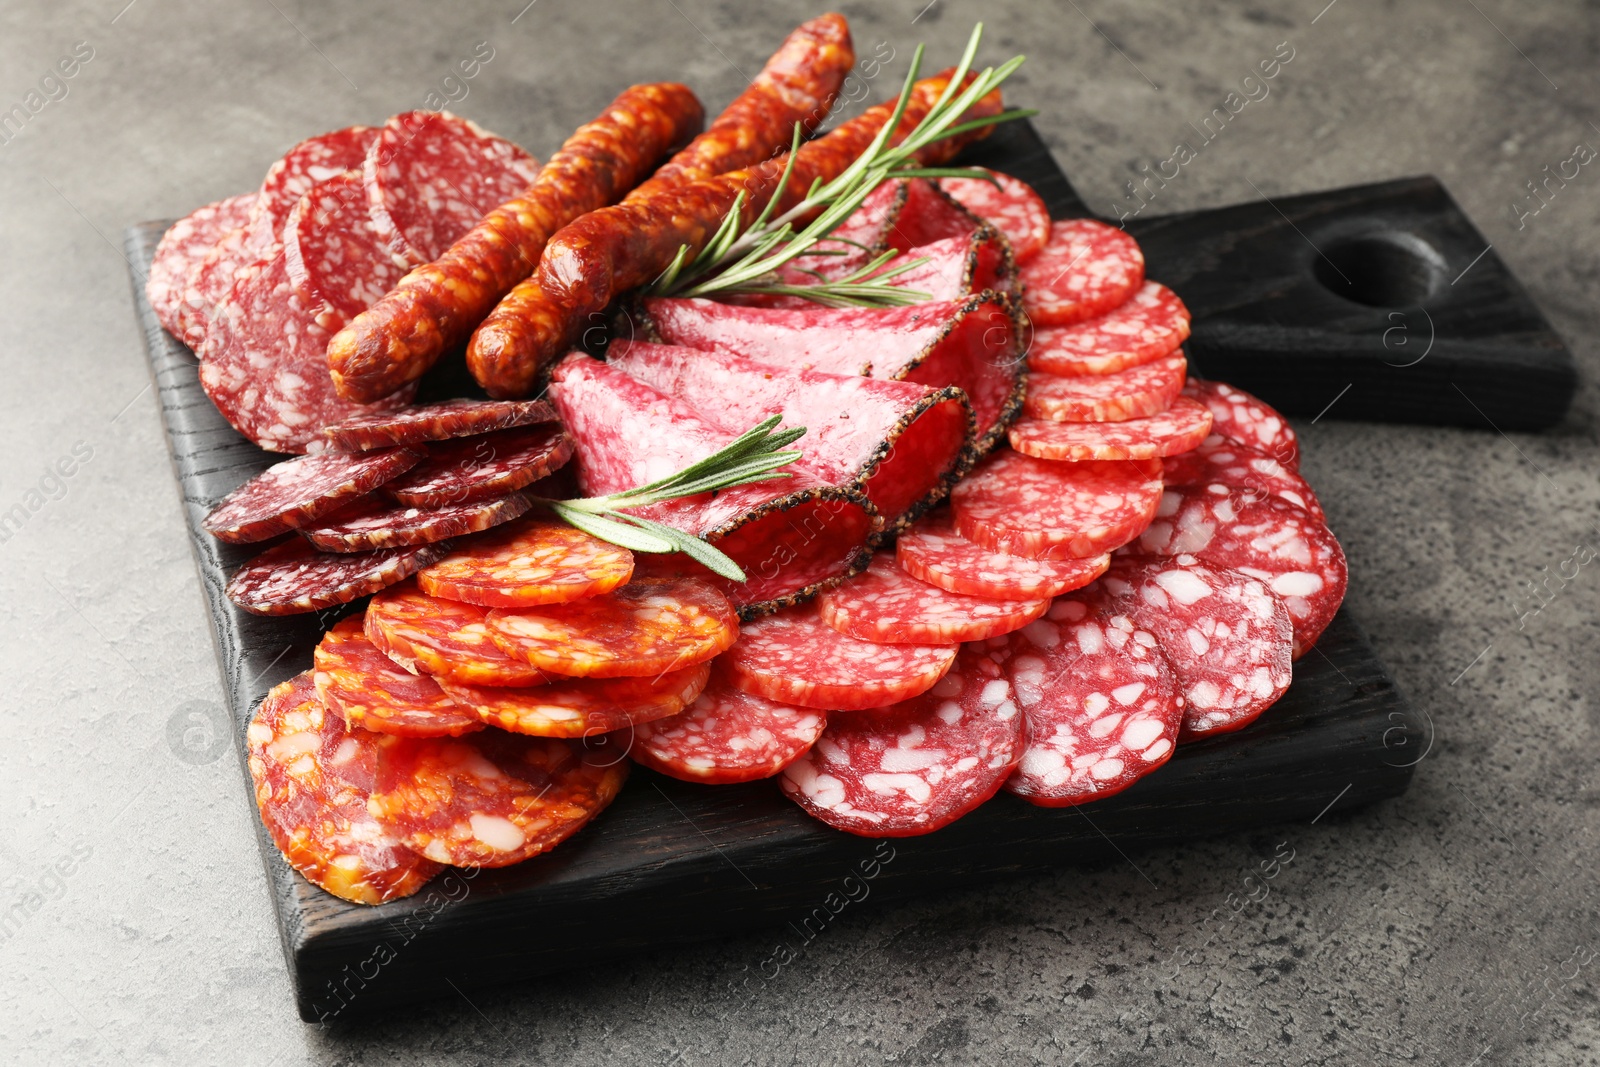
<point>1084,270</point>
<point>304,167</point>
<point>887,605</point>
<point>1150,324</point>
<point>375,522</point>
<point>365,688</point>
<point>183,248</point>
<point>725,736</point>
<point>1237,415</point>
<point>298,491</point>
<point>1133,393</point>
<point>1045,510</point>
<point>435,422</point>
<point>1253,472</point>
<point>934,551</point>
<point>210,282</point>
<point>293,578</point>
<point>445,638</point>
<point>482,467</point>
<point>1177,429</point>
<point>582,707</point>
<point>1011,206</point>
<point>336,262</point>
<point>918,766</point>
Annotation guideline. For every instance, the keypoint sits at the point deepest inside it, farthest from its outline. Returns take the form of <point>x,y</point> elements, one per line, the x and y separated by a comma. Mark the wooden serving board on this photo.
<point>672,863</point>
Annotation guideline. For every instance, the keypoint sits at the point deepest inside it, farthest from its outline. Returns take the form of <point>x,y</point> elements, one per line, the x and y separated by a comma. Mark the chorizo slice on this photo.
<point>365,688</point>
<point>582,707</point>
<point>528,564</point>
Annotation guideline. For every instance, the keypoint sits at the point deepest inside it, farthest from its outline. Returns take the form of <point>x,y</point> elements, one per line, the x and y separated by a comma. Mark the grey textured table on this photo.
<point>1458,922</point>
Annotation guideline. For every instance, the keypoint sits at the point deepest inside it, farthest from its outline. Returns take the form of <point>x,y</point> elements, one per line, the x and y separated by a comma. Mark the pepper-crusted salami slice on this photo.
<point>482,467</point>
<point>1179,428</point>
<point>582,707</point>
<point>373,522</point>
<point>1228,639</point>
<point>644,628</point>
<point>365,688</point>
<point>445,638</point>
<point>935,552</point>
<point>794,657</point>
<point>489,799</point>
<point>1045,510</point>
<point>435,422</point>
<point>183,248</point>
<point>1084,270</point>
<point>1223,460</point>
<point>725,736</point>
<point>1237,415</point>
<point>528,564</point>
<point>1012,206</point>
<point>1150,324</point>
<point>889,606</point>
<point>293,578</point>
<point>1102,704</point>
<point>919,765</point>
<point>303,168</point>
<point>313,775</point>
<point>298,491</point>
<point>1134,393</point>
<point>335,260</point>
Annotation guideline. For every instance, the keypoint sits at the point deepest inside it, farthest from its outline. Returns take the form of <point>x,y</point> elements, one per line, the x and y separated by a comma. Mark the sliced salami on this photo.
<point>1134,393</point>
<point>725,736</point>
<point>209,282</point>
<point>1045,510</point>
<point>1012,206</point>
<point>1284,546</point>
<point>296,492</point>
<point>431,176</point>
<point>1147,326</point>
<point>794,657</point>
<point>335,259</point>
<point>1085,269</point>
<point>445,638</point>
<point>435,422</point>
<point>489,799</point>
<point>1237,415</point>
<point>482,467</point>
<point>313,775</point>
<point>1102,705</point>
<point>1223,460</point>
<point>644,628</point>
<point>582,707</point>
<point>890,607</point>
<point>293,578</point>
<point>917,766</point>
<point>184,247</point>
<point>531,563</point>
<point>304,167</point>
<point>935,552</point>
<point>1178,429</point>
<point>1227,637</point>
<point>365,688</point>
<point>374,522</point>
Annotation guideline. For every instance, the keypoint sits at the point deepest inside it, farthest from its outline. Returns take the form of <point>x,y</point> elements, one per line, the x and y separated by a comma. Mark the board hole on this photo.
<point>1381,270</point>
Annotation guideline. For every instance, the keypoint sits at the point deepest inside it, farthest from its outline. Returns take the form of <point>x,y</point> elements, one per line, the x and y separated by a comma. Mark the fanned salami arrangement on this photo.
<point>898,511</point>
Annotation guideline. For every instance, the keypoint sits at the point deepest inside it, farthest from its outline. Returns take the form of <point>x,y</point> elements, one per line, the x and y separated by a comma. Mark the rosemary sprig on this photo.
<point>754,456</point>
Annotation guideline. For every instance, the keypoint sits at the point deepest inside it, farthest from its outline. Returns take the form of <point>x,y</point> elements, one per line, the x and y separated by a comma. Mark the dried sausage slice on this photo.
<point>933,551</point>
<point>445,638</point>
<point>365,688</point>
<point>373,522</point>
<point>435,422</point>
<point>644,628</point>
<point>293,578</point>
<point>489,799</point>
<point>725,736</point>
<point>1237,415</point>
<point>313,775</point>
<point>582,707</point>
<point>334,257</point>
<point>1045,510</point>
<point>183,248</point>
<point>1178,429</point>
<point>303,168</point>
<point>1134,393</point>
<point>919,765</point>
<point>528,564</point>
<point>1150,324</point>
<point>1084,270</point>
<point>1012,206</point>
<point>482,467</point>
<point>1226,461</point>
<point>889,606</point>
<point>210,281</point>
<point>296,492</point>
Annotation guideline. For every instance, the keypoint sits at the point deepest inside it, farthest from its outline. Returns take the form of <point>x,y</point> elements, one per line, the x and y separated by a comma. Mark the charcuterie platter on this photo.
<point>698,612</point>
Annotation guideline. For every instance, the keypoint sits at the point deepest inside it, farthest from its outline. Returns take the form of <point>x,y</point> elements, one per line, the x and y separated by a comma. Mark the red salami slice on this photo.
<point>582,707</point>
<point>208,284</point>
<point>293,578</point>
<point>183,248</point>
<point>1178,429</point>
<point>1086,269</point>
<point>430,178</point>
<point>933,551</point>
<point>1134,393</point>
<point>889,606</point>
<point>436,422</point>
<point>960,265</point>
<point>483,467</point>
<point>373,522</point>
<point>445,638</point>
<point>1227,637</point>
<point>1102,706</point>
<point>902,444</point>
<point>532,563</point>
<point>793,657</point>
<point>1241,417</point>
<point>335,259</point>
<point>1045,510</point>
<point>1147,326</point>
<point>921,214</point>
<point>725,736</point>
<point>313,775</point>
<point>305,166</point>
<point>298,491</point>
<point>1227,462</point>
<point>489,799</point>
<point>919,765</point>
<point>1012,206</point>
<point>1287,548</point>
<point>365,688</point>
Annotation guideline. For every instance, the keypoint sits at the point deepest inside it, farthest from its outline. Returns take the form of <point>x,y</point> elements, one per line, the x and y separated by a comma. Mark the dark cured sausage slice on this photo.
<point>1084,270</point>
<point>1150,324</point>
<point>303,167</point>
<point>296,492</point>
<point>917,766</point>
<point>1045,510</point>
<point>933,551</point>
<point>725,736</point>
<point>436,422</point>
<point>1178,429</point>
<point>313,775</point>
<point>365,688</point>
<point>1012,207</point>
<point>482,467</point>
<point>532,563</point>
<point>582,707</point>
<point>1244,418</point>
<point>373,522</point>
<point>1134,393</point>
<point>1226,461</point>
<point>293,578</point>
<point>334,257</point>
<point>890,607</point>
<point>445,638</point>
<point>183,248</point>
<point>795,658</point>
<point>489,799</point>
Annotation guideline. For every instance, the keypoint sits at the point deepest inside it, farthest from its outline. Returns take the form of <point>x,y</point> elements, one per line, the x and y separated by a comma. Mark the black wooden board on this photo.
<point>671,863</point>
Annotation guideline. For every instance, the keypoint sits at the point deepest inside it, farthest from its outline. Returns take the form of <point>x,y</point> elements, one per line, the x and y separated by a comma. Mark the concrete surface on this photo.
<point>1454,926</point>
